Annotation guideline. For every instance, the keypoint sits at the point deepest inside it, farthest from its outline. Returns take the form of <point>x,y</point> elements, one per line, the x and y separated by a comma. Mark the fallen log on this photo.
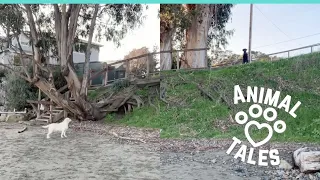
<point>127,138</point>
<point>307,160</point>
<point>204,92</point>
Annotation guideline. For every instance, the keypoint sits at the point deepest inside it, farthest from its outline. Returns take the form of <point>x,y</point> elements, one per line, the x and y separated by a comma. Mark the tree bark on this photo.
<point>88,54</point>
<point>34,39</point>
<point>166,45</point>
<point>8,37</point>
<point>197,36</point>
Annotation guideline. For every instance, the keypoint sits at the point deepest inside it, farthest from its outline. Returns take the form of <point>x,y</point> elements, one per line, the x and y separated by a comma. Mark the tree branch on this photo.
<point>15,72</point>
<point>88,51</point>
<point>73,22</point>
<point>34,37</point>
<point>57,25</point>
<point>22,52</point>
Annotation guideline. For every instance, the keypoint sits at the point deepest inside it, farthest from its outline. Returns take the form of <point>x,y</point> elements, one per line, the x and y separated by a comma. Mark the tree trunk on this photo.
<point>197,36</point>
<point>166,45</point>
<point>85,79</point>
<point>65,26</point>
<point>8,37</point>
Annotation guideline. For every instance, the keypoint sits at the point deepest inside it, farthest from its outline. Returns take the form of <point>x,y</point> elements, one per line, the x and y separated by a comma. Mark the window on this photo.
<point>24,43</point>
<point>16,60</point>
<point>80,47</point>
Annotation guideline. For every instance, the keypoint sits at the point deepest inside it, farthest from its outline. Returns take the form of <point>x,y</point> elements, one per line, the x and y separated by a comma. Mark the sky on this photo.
<point>279,22</point>
<point>275,23</point>
<point>146,35</point>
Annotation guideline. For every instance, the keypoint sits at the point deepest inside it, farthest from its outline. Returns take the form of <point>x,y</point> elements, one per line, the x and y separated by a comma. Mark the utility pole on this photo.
<point>250,32</point>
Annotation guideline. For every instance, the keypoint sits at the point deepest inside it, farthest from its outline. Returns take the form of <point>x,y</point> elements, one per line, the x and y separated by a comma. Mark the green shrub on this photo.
<point>59,80</point>
<point>120,84</point>
<point>18,91</point>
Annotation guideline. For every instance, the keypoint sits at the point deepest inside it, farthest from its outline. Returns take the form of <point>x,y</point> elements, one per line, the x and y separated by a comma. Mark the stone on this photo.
<point>3,118</point>
<point>15,118</point>
<point>311,177</point>
<point>285,165</point>
<point>307,160</point>
<point>280,173</point>
<point>300,176</point>
<point>213,161</point>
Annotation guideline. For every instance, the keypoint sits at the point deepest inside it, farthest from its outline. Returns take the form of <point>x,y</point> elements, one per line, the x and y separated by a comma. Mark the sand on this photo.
<point>82,155</point>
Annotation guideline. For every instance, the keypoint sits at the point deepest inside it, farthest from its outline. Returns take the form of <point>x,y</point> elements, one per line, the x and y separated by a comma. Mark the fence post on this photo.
<point>311,49</point>
<point>127,69</point>
<point>148,65</point>
<point>288,54</point>
<point>105,80</point>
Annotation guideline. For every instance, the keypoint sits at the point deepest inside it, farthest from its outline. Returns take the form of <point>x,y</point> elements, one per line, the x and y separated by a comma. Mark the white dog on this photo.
<point>58,127</point>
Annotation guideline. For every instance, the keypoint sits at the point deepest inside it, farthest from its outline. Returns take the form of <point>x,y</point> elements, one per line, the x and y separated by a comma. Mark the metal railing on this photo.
<point>180,60</point>
<point>292,52</point>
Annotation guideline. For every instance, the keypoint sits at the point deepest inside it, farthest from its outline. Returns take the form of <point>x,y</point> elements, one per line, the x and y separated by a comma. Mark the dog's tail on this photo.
<point>45,126</point>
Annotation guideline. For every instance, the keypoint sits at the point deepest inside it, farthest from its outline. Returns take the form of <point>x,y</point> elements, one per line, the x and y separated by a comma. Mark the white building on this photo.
<point>8,55</point>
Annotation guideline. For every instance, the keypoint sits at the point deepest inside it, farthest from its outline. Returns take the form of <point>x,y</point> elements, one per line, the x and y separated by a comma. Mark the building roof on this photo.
<point>93,43</point>
<point>15,50</point>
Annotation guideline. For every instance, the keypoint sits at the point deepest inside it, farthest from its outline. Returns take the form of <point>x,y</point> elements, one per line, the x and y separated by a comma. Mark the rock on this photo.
<point>213,161</point>
<point>300,176</point>
<point>307,160</point>
<point>15,118</point>
<point>3,118</point>
<point>280,173</point>
<point>265,178</point>
<point>311,177</point>
<point>284,165</point>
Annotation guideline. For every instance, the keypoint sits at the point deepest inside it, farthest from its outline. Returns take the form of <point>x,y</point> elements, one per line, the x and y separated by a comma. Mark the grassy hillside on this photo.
<point>190,114</point>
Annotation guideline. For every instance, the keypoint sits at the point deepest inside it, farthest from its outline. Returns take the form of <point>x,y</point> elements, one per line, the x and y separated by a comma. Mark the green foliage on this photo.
<point>18,91</point>
<point>173,16</point>
<point>11,18</point>
<point>192,115</point>
<point>179,17</point>
<point>59,80</point>
<point>119,84</point>
<point>121,18</point>
<point>92,95</point>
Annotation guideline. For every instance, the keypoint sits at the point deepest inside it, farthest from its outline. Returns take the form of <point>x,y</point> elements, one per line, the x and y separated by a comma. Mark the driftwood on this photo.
<point>204,92</point>
<point>24,129</point>
<point>223,99</point>
<point>307,160</point>
<point>127,138</point>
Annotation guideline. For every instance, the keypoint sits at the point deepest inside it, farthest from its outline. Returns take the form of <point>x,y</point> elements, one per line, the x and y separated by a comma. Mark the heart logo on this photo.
<point>259,126</point>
